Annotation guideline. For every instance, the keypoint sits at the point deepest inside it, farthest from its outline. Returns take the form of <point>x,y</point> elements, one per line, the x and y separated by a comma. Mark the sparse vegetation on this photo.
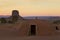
<point>10,22</point>
<point>3,20</point>
<point>57,22</point>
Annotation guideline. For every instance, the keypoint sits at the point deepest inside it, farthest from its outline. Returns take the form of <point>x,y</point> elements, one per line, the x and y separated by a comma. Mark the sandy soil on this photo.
<point>32,38</point>
<point>12,35</point>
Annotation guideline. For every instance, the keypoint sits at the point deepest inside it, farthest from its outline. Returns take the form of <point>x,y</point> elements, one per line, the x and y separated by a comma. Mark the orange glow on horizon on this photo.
<point>31,7</point>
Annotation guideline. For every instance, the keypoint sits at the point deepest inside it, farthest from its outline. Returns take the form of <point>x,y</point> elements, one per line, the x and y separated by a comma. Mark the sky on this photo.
<point>31,7</point>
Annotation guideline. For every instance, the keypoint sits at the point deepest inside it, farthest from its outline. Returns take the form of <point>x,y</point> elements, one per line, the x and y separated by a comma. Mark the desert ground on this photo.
<point>31,38</point>
<point>12,35</point>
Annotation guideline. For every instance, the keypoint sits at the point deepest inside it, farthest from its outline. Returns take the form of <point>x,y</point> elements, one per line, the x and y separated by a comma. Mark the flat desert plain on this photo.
<point>11,35</point>
<point>31,38</point>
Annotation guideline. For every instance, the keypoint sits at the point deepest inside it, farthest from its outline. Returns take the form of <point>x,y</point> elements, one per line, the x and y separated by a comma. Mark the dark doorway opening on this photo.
<point>57,28</point>
<point>33,30</point>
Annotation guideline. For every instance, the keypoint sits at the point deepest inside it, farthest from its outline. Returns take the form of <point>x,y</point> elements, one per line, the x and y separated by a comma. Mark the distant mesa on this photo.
<point>14,17</point>
<point>15,13</point>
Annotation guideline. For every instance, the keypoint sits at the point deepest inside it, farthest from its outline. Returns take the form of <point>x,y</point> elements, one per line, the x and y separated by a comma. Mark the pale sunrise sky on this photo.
<point>31,7</point>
